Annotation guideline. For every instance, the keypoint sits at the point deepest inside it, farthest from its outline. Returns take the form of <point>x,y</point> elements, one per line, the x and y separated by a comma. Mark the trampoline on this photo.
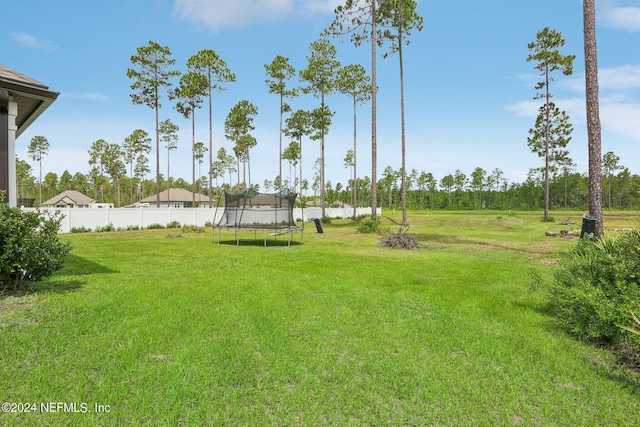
<point>250,210</point>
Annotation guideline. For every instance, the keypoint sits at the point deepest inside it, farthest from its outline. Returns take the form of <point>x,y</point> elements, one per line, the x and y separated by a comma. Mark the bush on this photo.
<point>596,285</point>
<point>369,226</point>
<point>155,227</point>
<point>191,228</point>
<point>81,229</point>
<point>326,219</point>
<point>29,246</point>
<point>105,229</point>
<point>174,224</point>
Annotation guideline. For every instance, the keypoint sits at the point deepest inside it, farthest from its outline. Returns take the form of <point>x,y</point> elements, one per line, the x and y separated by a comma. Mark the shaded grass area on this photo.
<point>337,331</point>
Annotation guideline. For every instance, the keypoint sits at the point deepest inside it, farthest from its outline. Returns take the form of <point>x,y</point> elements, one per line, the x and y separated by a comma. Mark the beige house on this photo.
<point>69,199</point>
<point>22,100</point>
<point>177,198</point>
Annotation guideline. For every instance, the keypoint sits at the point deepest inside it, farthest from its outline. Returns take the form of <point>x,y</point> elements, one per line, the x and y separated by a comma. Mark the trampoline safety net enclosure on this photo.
<point>250,210</point>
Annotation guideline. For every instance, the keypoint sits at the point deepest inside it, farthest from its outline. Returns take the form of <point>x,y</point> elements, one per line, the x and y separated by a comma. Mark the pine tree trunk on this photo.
<point>210,147</point>
<point>593,114</point>
<point>157,154</point>
<point>355,197</point>
<point>374,148</point>
<point>404,149</point>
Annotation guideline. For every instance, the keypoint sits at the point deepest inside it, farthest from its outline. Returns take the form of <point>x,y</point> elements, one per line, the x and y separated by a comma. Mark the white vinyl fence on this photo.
<point>121,218</point>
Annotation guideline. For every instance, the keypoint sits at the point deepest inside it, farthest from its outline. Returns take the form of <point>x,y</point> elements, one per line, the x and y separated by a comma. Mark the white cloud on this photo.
<point>29,41</point>
<point>615,15</point>
<point>626,77</point>
<point>322,5</point>
<point>574,107</point>
<point>233,13</point>
<point>618,79</point>
<point>525,108</point>
<point>618,116</point>
<point>621,118</point>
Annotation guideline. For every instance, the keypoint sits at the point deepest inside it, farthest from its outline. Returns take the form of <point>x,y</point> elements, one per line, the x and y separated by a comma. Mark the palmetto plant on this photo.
<point>631,329</point>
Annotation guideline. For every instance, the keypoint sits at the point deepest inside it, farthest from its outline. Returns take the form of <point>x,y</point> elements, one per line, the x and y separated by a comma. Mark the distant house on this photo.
<point>176,198</point>
<point>71,199</point>
<point>22,100</point>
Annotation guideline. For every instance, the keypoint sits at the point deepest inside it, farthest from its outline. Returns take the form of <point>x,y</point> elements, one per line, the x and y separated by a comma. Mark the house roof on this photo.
<point>31,96</point>
<point>177,195</point>
<point>69,197</point>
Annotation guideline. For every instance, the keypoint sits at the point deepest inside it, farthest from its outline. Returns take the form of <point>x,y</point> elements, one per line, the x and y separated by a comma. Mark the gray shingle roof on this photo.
<point>177,195</point>
<point>75,197</point>
<point>31,96</point>
<point>9,75</point>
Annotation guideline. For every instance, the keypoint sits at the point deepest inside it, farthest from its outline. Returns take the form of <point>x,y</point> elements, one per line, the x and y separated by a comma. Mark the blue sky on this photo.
<point>469,89</point>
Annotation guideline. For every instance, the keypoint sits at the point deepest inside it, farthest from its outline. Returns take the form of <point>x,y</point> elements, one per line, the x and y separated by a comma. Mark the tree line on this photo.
<point>476,189</point>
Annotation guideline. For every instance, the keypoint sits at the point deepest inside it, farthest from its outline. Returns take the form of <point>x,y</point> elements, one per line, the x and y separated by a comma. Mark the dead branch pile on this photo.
<point>401,240</point>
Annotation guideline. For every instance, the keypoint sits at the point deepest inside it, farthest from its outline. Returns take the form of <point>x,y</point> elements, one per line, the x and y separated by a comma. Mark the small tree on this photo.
<point>548,140</point>
<point>400,17</point>
<point>216,71</point>
<point>140,170</point>
<point>114,166</point>
<point>38,148</point>
<point>354,82</point>
<point>349,162</point>
<point>226,163</point>
<point>97,154</point>
<point>169,135</point>
<point>292,155</point>
<point>544,51</point>
<point>190,93</point>
<point>25,182</point>
<point>152,73</point>
<point>135,145</point>
<point>29,246</point>
<point>610,164</point>
<point>237,128</point>
<point>478,182</point>
<point>280,71</point>
<point>199,150</point>
<point>320,76</point>
<point>297,126</point>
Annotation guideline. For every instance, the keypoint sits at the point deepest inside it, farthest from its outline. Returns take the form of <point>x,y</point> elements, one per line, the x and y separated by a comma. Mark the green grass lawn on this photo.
<point>336,331</point>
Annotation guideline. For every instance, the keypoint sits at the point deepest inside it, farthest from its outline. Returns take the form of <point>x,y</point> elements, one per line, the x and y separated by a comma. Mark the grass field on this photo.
<point>142,329</point>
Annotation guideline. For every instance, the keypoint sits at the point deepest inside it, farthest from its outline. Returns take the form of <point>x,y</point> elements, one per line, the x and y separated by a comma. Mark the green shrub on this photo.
<point>81,229</point>
<point>326,219</point>
<point>174,224</point>
<point>596,285</point>
<point>155,226</point>
<point>191,228</point>
<point>369,226</point>
<point>634,330</point>
<point>133,227</point>
<point>29,246</point>
<point>105,229</point>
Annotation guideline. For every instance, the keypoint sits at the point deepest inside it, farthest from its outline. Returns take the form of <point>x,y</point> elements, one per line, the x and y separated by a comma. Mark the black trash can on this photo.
<point>588,226</point>
<point>318,225</point>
